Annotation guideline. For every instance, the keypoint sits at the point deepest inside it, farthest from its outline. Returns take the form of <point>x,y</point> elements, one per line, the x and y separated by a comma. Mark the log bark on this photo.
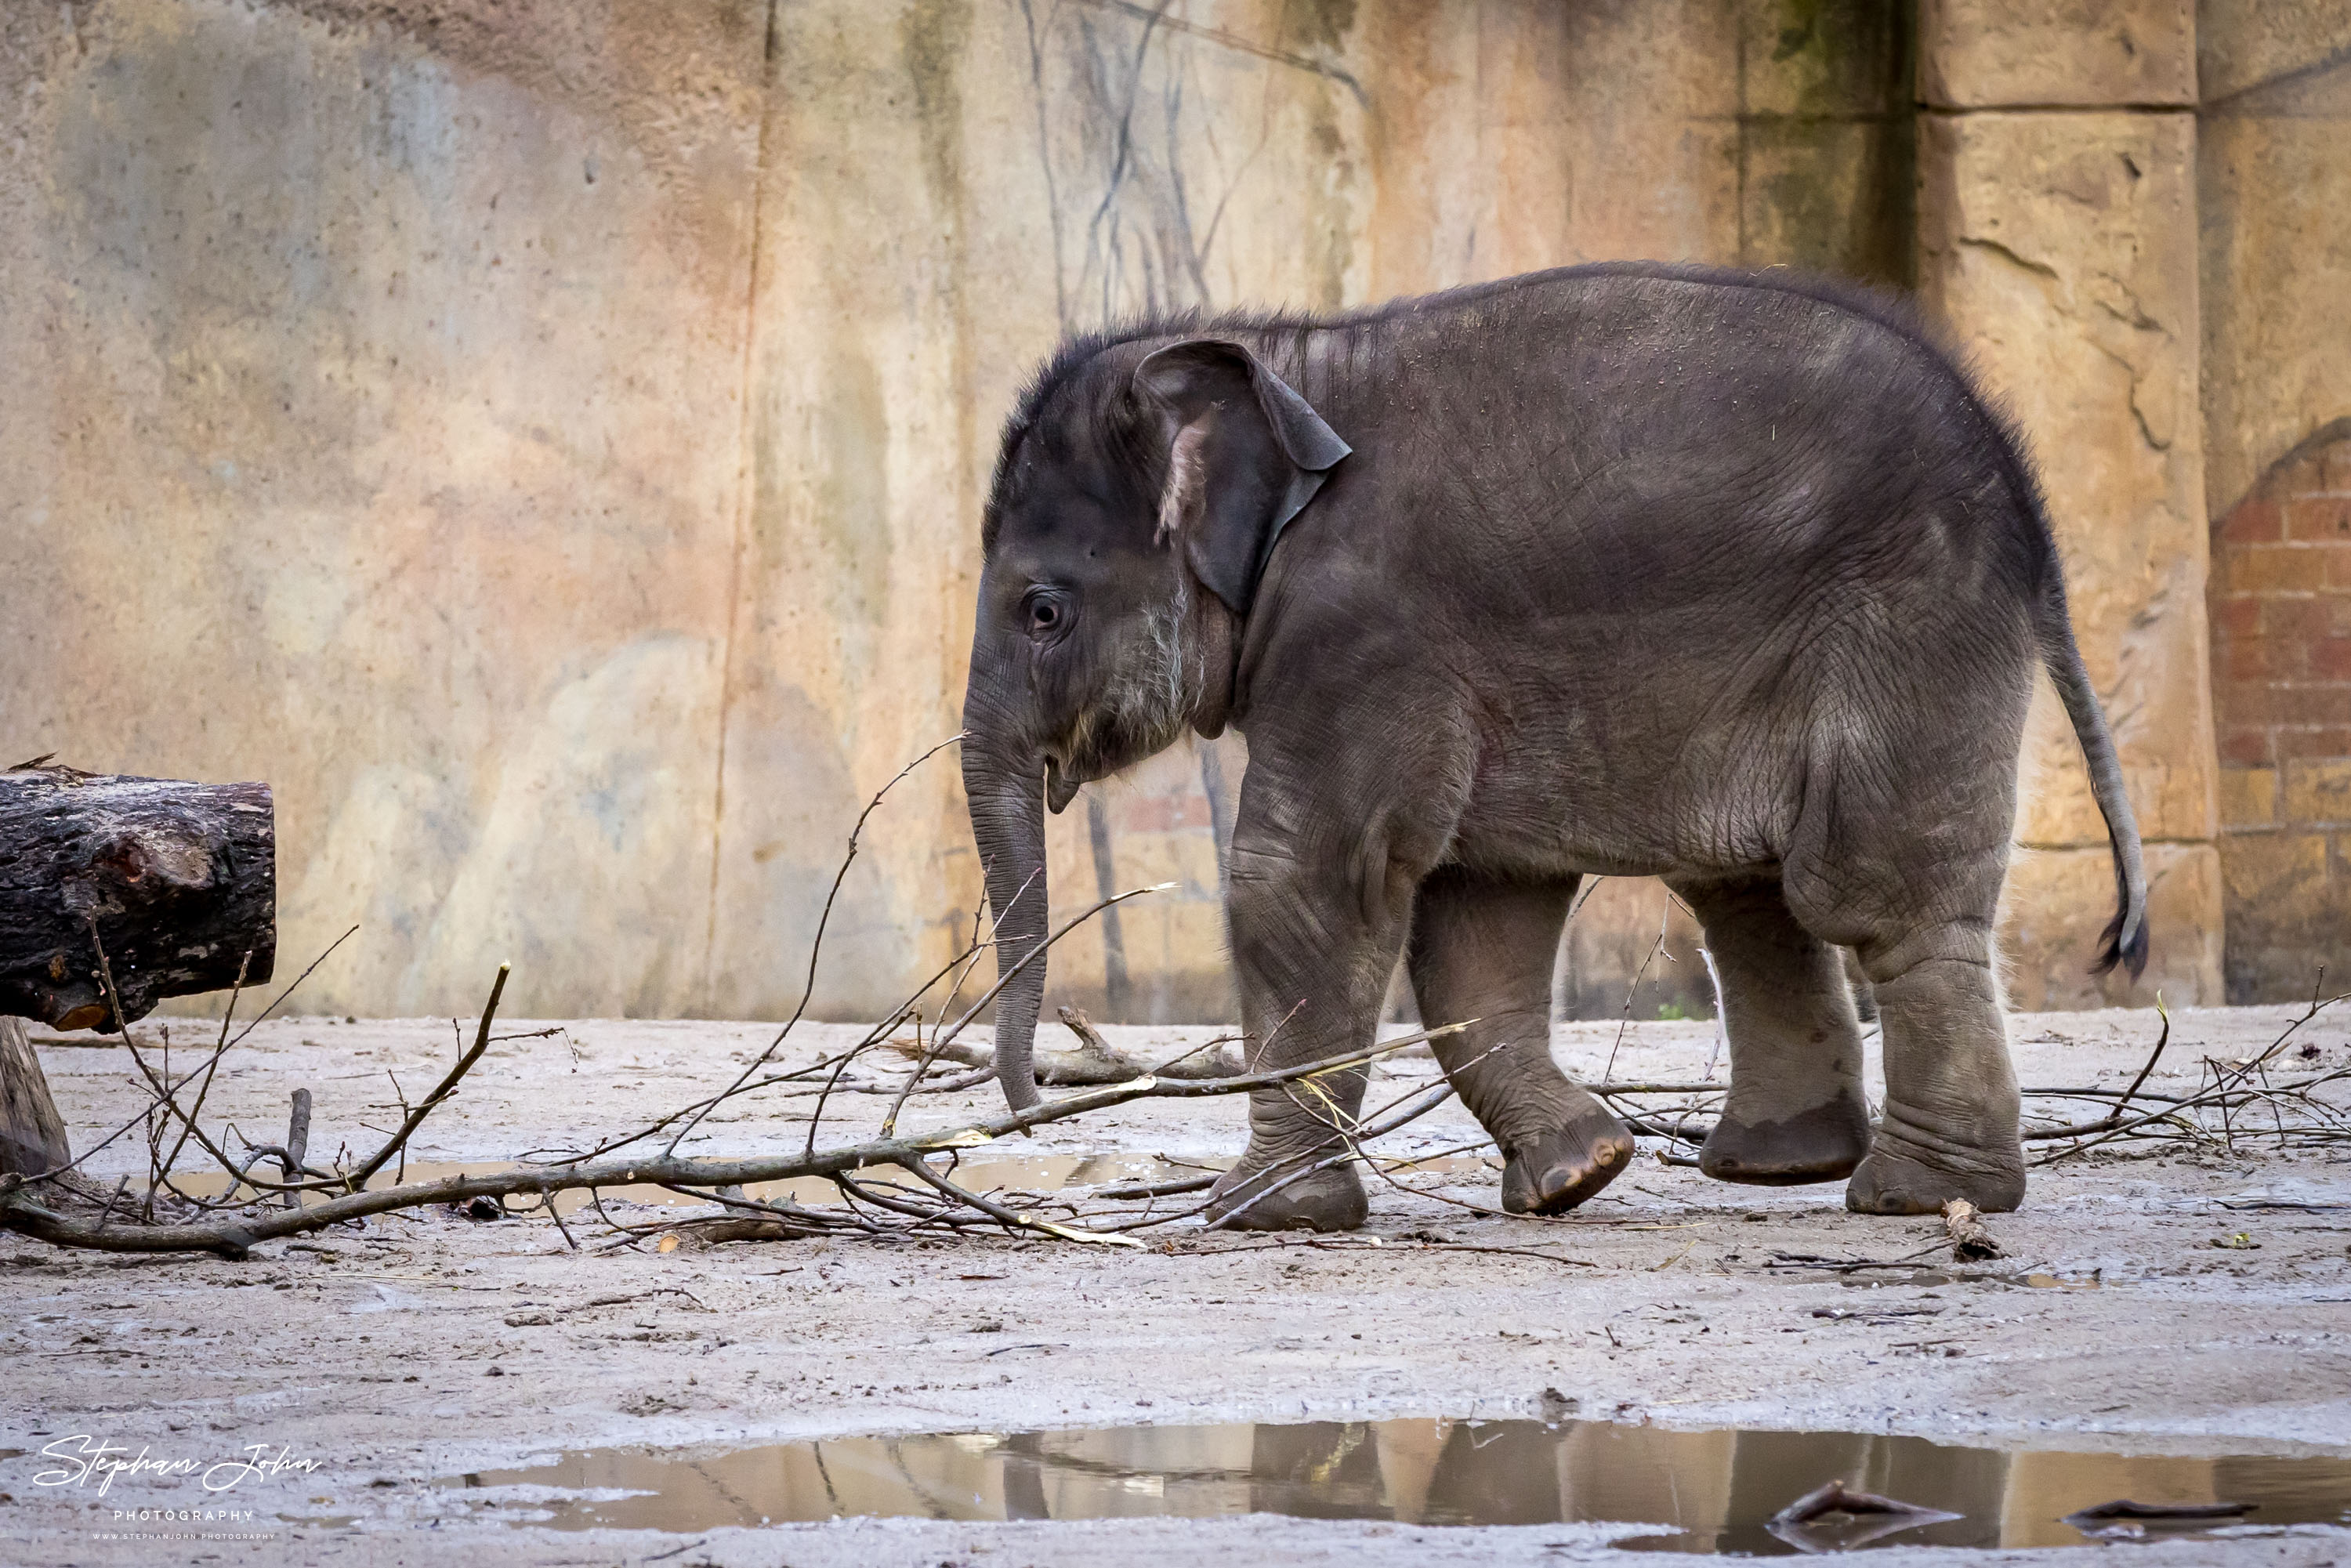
<point>32,1135</point>
<point>178,881</point>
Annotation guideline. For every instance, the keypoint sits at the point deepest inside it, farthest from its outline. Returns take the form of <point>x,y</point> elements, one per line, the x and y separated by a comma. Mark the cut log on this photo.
<point>32,1137</point>
<point>179,882</point>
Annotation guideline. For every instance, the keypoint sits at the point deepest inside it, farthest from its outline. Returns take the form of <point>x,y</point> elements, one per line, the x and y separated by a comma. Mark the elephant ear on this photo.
<point>1246,452</point>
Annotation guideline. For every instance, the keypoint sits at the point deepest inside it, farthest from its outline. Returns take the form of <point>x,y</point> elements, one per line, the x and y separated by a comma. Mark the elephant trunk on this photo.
<point>1007,823</point>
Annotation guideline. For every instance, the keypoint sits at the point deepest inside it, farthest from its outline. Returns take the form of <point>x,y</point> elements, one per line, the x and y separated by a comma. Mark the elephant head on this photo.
<point>1138,493</point>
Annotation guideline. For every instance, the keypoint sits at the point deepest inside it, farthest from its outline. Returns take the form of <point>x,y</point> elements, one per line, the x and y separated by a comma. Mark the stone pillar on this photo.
<point>2057,247</point>
<point>2274,193</point>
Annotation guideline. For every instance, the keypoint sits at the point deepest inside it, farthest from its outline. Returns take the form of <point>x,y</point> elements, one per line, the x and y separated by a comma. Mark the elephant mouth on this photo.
<point>1061,788</point>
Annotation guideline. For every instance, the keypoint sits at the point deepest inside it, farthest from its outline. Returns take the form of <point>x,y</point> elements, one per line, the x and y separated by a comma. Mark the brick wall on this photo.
<point>2281,618</point>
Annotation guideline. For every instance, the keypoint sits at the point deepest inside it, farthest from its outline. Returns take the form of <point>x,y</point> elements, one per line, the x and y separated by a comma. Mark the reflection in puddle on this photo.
<point>1719,1488</point>
<point>1928,1278</point>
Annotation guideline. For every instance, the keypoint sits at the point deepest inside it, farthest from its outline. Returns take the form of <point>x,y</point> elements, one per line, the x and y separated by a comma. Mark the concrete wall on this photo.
<point>372,428</point>
<point>546,439</point>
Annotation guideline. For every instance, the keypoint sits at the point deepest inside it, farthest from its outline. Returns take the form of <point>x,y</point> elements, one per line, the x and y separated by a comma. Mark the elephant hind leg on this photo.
<point>1952,1110</point>
<point>1796,1112</point>
<point>1950,1126</point>
<point>1481,948</point>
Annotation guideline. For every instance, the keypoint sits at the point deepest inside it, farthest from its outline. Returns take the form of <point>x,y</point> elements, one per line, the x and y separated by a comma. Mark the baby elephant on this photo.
<point>1730,578</point>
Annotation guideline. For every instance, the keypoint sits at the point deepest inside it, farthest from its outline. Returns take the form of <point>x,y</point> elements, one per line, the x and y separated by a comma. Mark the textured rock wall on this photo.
<point>2275,191</point>
<point>552,434</point>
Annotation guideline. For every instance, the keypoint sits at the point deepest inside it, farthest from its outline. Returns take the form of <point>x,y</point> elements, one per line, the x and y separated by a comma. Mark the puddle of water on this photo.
<point>1044,1173</point>
<point>1931,1278</point>
<point>1719,1486</point>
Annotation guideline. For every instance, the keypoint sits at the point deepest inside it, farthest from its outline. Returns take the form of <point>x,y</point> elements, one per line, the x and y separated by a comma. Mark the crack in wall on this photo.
<point>1948,111</point>
<point>2039,268</point>
<point>747,497</point>
<point>2135,314</point>
<point>2139,414</point>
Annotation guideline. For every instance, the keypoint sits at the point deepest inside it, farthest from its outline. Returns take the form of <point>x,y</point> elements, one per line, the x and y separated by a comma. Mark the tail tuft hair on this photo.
<point>2118,947</point>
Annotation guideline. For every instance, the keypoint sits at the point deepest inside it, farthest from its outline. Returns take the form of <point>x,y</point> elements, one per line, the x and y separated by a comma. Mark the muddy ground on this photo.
<point>428,1346</point>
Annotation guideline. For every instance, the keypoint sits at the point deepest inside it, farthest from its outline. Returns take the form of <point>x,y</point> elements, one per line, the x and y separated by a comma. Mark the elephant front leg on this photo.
<point>1482,949</point>
<point>1314,948</point>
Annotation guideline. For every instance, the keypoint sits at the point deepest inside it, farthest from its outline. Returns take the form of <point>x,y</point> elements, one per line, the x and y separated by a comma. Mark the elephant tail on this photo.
<point>2124,940</point>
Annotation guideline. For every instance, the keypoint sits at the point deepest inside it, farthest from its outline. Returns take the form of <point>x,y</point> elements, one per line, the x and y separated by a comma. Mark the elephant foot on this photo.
<point>1252,1197</point>
<point>1901,1178</point>
<point>1823,1142</point>
<point>1554,1171</point>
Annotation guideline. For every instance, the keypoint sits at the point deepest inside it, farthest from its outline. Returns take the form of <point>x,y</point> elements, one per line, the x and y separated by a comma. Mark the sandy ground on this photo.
<point>428,1346</point>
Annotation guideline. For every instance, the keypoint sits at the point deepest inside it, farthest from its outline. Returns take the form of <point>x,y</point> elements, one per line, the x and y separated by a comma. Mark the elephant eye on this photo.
<point>1046,613</point>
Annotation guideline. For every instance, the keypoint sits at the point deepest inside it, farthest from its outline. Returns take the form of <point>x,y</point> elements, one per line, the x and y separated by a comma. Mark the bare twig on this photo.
<point>441,1091</point>
<point>1970,1242</point>
<point>1639,974</point>
<point>228,1014</point>
<point>298,1144</point>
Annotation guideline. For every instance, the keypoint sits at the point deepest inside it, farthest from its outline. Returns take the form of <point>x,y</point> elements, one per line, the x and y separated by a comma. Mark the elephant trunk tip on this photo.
<point>1019,1080</point>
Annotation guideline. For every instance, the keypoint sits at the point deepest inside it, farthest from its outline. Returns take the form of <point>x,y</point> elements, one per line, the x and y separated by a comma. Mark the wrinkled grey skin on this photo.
<point>1622,570</point>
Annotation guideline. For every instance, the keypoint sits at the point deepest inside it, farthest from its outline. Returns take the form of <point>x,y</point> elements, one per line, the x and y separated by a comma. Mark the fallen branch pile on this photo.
<point>343,1195</point>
